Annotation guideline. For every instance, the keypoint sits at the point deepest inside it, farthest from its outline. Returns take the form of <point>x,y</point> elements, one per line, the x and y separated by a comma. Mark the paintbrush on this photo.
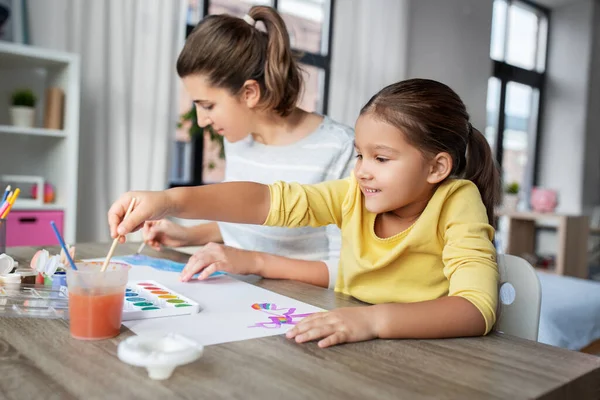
<point>139,250</point>
<point>116,241</point>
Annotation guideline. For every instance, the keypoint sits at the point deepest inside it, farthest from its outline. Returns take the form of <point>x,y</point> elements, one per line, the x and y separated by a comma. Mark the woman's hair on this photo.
<point>434,119</point>
<point>229,51</point>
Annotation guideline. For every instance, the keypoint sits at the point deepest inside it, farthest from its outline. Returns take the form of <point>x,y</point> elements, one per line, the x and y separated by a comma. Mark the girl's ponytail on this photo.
<point>482,171</point>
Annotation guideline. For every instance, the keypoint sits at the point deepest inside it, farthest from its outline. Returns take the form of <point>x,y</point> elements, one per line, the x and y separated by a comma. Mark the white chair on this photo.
<point>520,298</point>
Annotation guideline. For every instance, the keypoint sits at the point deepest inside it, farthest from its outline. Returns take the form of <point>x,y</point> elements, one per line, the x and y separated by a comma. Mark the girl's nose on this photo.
<point>362,173</point>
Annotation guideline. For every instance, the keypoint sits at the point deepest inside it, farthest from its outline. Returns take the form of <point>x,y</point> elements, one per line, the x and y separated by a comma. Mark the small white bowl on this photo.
<point>159,355</point>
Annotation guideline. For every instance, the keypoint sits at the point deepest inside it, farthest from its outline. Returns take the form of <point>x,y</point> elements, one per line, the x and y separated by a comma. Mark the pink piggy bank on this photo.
<point>49,193</point>
<point>543,200</point>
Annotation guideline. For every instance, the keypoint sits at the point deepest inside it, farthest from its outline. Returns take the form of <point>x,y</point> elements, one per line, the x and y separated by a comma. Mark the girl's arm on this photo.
<point>446,317</point>
<point>278,267</point>
<point>217,257</point>
<point>204,233</point>
<point>241,202</point>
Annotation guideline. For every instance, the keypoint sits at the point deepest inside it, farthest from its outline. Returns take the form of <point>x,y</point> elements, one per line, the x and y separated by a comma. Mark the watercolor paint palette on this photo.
<point>150,299</point>
<point>143,299</point>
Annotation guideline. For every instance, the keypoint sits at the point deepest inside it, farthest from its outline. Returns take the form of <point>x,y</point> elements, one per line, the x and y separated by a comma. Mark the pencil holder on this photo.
<point>2,236</point>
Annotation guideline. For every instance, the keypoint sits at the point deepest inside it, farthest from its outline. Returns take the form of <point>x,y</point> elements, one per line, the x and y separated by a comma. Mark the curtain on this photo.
<point>128,89</point>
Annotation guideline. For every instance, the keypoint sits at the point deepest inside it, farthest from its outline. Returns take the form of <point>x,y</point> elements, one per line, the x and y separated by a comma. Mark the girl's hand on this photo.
<point>165,233</point>
<point>148,206</point>
<point>354,324</point>
<point>217,257</point>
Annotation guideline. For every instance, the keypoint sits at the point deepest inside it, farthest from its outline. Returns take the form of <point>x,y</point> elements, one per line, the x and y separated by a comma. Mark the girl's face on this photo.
<point>393,175</point>
<point>230,115</point>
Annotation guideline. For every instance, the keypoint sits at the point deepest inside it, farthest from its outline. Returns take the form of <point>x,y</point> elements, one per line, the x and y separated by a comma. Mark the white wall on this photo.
<point>379,42</point>
<point>369,53</point>
<point>449,41</point>
<point>564,118</point>
<point>591,181</point>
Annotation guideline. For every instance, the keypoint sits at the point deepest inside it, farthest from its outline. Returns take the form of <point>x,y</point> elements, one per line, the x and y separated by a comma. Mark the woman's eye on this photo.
<point>208,108</point>
<point>359,156</point>
<point>381,159</point>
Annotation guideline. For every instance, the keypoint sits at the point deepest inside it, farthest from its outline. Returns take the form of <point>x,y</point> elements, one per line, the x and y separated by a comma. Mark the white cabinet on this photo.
<point>50,154</point>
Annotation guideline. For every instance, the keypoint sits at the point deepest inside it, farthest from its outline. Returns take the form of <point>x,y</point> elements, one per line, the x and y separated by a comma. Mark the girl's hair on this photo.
<point>434,119</point>
<point>229,51</point>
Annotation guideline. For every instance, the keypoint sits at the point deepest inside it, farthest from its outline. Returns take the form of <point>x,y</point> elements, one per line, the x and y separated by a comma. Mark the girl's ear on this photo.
<point>251,93</point>
<point>439,168</point>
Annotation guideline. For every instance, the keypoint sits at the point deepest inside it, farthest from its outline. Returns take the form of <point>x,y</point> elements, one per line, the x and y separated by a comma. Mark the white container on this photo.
<point>159,355</point>
<point>22,116</point>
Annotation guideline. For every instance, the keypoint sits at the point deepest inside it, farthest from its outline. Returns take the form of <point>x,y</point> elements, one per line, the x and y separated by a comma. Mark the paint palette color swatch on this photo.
<point>150,299</point>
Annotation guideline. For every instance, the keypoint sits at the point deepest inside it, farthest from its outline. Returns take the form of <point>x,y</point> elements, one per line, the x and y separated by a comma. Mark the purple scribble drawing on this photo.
<point>277,316</point>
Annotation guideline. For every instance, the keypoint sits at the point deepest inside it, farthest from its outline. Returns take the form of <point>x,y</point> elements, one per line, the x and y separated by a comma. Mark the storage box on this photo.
<point>32,228</point>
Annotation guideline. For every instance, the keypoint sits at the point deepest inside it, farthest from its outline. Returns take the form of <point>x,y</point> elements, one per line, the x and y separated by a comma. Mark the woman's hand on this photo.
<point>165,233</point>
<point>354,324</point>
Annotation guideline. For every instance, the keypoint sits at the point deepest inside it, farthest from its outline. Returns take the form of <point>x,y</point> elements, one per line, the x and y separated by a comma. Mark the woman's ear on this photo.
<point>439,168</point>
<point>251,93</point>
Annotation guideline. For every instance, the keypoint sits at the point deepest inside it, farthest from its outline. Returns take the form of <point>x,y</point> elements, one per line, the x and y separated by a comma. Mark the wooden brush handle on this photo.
<point>116,241</point>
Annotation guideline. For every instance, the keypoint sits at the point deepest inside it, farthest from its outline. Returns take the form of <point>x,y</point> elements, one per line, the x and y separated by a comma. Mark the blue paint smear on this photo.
<point>158,263</point>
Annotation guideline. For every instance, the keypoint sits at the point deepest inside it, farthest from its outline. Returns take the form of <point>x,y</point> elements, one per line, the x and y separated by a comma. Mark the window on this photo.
<point>196,161</point>
<point>518,52</point>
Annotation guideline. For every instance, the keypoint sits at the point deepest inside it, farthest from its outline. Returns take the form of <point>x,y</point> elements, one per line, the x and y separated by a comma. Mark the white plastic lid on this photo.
<point>160,355</point>
<point>10,278</point>
<point>7,263</point>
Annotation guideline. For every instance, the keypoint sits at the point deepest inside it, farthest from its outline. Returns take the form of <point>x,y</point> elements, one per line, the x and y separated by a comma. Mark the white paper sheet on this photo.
<point>227,309</point>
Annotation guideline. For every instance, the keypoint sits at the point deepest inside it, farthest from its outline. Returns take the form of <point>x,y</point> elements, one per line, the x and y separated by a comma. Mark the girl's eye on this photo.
<point>381,159</point>
<point>208,108</point>
<point>359,156</point>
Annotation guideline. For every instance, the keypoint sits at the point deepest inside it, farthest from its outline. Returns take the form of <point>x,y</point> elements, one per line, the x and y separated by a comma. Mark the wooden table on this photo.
<point>38,359</point>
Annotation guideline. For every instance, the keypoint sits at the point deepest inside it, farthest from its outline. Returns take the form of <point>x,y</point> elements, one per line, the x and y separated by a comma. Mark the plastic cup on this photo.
<point>96,300</point>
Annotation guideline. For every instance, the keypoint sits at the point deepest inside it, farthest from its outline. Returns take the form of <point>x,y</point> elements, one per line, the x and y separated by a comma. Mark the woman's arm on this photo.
<point>204,233</point>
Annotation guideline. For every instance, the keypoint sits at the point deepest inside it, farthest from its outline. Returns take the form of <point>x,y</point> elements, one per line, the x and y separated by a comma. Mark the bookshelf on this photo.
<point>49,153</point>
<point>572,238</point>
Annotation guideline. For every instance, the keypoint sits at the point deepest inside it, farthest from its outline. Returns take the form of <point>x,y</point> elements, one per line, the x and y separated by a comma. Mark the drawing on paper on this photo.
<point>277,316</point>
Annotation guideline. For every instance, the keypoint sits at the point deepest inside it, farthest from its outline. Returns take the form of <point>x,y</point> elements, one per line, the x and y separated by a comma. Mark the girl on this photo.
<point>246,83</point>
<point>415,219</point>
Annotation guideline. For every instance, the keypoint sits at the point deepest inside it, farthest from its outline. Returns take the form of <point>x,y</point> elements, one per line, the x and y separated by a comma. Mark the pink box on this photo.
<point>32,228</point>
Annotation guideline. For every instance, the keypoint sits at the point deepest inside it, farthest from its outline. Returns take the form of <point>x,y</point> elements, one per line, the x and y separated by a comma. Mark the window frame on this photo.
<point>321,61</point>
<point>506,73</point>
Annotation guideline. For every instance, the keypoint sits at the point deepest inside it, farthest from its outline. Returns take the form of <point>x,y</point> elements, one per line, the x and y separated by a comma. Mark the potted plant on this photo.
<point>22,108</point>
<point>511,196</point>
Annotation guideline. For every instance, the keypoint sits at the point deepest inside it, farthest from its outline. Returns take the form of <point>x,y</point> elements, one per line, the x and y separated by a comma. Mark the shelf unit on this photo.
<point>572,238</point>
<point>51,154</point>
<point>15,130</point>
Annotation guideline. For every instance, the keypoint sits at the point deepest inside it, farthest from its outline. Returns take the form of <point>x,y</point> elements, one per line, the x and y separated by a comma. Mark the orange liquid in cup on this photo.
<point>96,316</point>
